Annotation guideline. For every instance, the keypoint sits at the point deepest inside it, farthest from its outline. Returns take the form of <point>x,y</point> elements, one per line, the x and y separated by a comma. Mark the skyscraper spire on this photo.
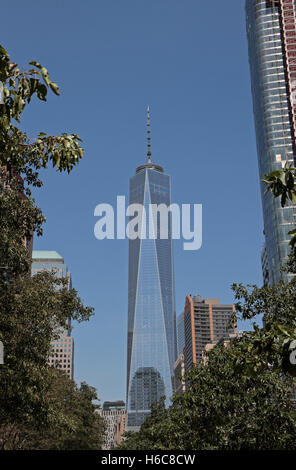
<point>148,136</point>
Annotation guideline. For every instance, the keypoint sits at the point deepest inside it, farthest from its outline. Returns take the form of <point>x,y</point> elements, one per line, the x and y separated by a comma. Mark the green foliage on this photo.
<point>75,424</point>
<point>282,184</point>
<point>19,218</point>
<point>241,399</point>
<point>31,311</point>
<point>18,153</point>
<point>225,408</point>
<point>39,407</point>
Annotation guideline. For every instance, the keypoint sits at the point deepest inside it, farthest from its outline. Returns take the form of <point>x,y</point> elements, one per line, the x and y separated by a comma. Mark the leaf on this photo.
<point>45,75</point>
<point>292,345</point>
<point>36,64</point>
<point>41,91</point>
<point>293,196</point>
<point>3,51</point>
<point>54,88</point>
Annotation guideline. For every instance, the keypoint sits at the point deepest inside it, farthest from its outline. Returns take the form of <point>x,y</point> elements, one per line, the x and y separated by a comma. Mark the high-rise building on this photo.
<point>151,348</point>
<point>180,384</point>
<point>223,341</point>
<point>264,264</point>
<point>113,414</point>
<point>205,321</point>
<point>61,355</point>
<point>271,30</point>
<point>180,334</point>
<point>119,429</point>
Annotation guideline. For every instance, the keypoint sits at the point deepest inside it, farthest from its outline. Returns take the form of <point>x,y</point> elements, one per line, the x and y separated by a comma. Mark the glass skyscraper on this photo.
<point>271,30</point>
<point>151,348</point>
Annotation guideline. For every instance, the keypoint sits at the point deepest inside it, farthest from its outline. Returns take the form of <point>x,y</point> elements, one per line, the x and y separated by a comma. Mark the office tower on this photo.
<point>180,334</point>
<point>205,321</point>
<point>113,413</point>
<point>151,348</point>
<point>62,353</point>
<point>271,30</point>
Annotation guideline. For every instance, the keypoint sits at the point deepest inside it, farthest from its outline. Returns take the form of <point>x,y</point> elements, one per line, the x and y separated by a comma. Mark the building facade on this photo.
<point>151,348</point>
<point>223,341</point>
<point>180,384</point>
<point>264,264</point>
<point>271,31</point>
<point>113,414</point>
<point>61,355</point>
<point>120,429</point>
<point>205,321</point>
<point>180,334</point>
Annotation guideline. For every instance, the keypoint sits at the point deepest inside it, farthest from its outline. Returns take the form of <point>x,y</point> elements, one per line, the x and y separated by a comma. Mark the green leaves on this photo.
<point>224,408</point>
<point>45,76</point>
<point>26,155</point>
<point>282,183</point>
<point>41,91</point>
<point>241,399</point>
<point>31,307</point>
<point>63,151</point>
<point>292,233</point>
<point>20,87</point>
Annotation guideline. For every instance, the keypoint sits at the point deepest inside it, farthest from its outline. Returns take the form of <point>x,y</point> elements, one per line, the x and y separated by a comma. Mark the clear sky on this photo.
<point>186,59</point>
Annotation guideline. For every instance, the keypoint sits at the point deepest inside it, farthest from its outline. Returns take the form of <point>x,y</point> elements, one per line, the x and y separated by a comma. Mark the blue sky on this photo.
<point>186,59</point>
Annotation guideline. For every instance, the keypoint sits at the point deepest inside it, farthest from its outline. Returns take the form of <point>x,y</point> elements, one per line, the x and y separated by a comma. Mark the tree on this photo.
<point>224,408</point>
<point>76,424</point>
<point>22,157</point>
<point>242,398</point>
<point>31,309</point>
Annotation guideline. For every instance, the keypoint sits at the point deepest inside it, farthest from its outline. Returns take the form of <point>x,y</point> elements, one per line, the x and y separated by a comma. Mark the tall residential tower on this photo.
<point>271,30</point>
<point>205,321</point>
<point>151,349</point>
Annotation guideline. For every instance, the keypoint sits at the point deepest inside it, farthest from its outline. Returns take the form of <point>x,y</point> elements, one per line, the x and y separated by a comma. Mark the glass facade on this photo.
<point>151,349</point>
<point>272,124</point>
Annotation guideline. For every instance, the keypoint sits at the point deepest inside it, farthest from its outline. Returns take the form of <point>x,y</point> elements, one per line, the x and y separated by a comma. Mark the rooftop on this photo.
<point>45,254</point>
<point>149,166</point>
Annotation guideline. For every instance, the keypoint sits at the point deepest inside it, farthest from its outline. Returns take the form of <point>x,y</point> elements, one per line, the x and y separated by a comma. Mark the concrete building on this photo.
<point>180,334</point>
<point>120,429</point>
<point>113,413</point>
<point>61,355</point>
<point>271,31</point>
<point>180,385</point>
<point>223,341</point>
<point>205,321</point>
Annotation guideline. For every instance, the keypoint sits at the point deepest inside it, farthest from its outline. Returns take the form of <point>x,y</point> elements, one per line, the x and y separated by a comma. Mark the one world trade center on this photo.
<point>151,348</point>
